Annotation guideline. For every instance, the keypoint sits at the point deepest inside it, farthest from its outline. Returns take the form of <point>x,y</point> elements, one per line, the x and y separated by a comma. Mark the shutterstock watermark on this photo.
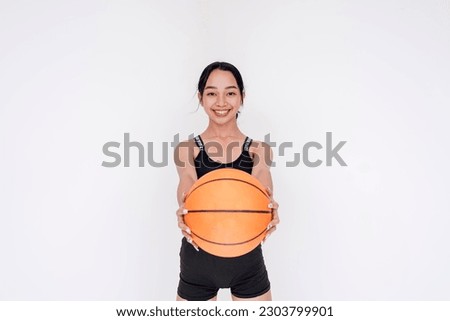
<point>120,154</point>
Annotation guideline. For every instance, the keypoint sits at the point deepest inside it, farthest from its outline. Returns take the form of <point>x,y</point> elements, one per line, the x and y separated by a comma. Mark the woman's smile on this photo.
<point>221,112</point>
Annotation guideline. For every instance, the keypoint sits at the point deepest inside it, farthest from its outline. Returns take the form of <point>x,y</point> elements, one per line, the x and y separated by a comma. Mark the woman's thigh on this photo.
<point>263,297</point>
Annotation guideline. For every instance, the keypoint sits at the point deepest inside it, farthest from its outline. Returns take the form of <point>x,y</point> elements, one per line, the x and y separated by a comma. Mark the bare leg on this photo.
<point>263,297</point>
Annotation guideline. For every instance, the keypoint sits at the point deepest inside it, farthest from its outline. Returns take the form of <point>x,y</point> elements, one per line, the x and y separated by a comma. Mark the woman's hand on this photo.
<point>184,228</point>
<point>275,219</point>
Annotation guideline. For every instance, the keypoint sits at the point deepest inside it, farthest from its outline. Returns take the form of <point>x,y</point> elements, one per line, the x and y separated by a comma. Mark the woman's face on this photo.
<point>221,97</point>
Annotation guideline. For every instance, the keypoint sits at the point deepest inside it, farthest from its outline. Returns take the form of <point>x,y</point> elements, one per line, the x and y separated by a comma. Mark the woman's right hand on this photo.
<point>183,227</point>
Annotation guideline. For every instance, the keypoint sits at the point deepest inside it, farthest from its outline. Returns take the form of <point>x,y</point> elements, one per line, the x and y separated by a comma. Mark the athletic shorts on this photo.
<point>203,274</point>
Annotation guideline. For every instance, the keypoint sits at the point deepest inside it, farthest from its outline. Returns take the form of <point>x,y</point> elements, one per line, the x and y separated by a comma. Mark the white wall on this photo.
<point>76,75</point>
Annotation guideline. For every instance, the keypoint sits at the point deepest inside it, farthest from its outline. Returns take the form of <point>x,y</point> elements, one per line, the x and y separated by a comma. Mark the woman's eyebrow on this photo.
<point>213,87</point>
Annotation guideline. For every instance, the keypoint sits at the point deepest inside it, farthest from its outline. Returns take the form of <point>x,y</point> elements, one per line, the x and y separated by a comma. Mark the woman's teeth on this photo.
<point>221,112</point>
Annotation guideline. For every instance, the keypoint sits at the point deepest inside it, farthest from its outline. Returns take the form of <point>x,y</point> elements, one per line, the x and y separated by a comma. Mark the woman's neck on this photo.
<point>229,129</point>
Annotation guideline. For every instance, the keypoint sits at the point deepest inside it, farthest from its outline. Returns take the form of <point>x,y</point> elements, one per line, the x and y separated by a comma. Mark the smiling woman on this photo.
<point>221,76</point>
<point>221,94</point>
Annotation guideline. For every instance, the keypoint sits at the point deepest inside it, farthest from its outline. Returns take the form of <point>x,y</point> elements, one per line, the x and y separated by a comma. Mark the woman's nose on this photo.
<point>221,101</point>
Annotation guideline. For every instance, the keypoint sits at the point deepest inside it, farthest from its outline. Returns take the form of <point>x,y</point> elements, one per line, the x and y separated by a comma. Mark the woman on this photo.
<point>221,94</point>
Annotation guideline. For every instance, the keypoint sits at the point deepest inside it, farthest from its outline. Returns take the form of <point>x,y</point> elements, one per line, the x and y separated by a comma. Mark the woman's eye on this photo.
<point>232,93</point>
<point>210,94</point>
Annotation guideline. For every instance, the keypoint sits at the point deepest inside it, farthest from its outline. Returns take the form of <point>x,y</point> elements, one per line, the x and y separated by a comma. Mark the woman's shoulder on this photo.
<point>258,146</point>
<point>186,143</point>
<point>186,149</point>
<point>260,150</point>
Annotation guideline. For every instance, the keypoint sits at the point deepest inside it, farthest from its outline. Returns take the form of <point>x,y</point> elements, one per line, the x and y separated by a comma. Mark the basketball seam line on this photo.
<point>228,244</point>
<point>232,211</point>
<point>224,179</point>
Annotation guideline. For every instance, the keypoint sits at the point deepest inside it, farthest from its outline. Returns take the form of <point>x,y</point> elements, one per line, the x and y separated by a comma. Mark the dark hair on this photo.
<point>221,66</point>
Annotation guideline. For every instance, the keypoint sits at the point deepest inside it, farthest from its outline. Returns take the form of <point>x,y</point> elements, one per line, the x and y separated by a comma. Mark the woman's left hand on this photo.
<point>275,219</point>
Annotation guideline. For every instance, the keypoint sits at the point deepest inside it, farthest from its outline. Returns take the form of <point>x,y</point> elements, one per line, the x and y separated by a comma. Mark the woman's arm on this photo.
<point>262,159</point>
<point>183,158</point>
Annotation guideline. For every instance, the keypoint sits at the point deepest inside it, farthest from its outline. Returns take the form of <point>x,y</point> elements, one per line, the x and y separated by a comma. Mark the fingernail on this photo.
<point>270,205</point>
<point>196,247</point>
<point>262,242</point>
<point>188,230</point>
<point>189,240</point>
<point>185,211</point>
<point>269,226</point>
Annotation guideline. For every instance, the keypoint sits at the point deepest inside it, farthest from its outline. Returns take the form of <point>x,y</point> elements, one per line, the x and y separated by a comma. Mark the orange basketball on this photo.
<point>228,212</point>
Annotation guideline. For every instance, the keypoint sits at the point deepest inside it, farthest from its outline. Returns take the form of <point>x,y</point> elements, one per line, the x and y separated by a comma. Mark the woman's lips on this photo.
<point>221,112</point>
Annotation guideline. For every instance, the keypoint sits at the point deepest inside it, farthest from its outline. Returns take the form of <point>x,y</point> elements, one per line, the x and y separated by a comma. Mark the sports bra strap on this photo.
<point>247,144</point>
<point>199,142</point>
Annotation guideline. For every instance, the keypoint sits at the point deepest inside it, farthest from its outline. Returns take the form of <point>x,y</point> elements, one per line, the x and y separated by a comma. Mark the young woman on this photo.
<point>221,94</point>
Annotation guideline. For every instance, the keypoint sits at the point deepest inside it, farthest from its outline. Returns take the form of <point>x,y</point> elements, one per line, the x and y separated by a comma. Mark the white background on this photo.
<point>75,75</point>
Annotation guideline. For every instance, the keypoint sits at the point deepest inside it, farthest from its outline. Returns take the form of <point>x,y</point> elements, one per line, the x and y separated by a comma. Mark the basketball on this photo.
<point>228,212</point>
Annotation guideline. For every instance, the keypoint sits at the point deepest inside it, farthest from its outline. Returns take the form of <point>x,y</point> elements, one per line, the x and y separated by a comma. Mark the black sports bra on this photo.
<point>204,164</point>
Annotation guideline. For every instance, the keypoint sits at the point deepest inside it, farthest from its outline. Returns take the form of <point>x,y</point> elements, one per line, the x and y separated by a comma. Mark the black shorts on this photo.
<point>203,274</point>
